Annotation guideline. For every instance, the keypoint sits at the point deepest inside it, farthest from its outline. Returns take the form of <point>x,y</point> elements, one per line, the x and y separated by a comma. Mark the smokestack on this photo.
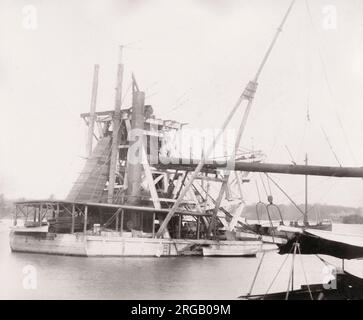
<point>134,169</point>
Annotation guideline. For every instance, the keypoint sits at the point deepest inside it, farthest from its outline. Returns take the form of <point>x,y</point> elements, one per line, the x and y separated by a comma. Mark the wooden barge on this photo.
<point>127,190</point>
<point>68,228</point>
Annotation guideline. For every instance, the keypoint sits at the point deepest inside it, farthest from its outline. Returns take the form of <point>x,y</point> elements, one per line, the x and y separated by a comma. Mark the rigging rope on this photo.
<point>255,277</point>
<point>291,278</point>
<point>330,146</point>
<point>278,271</point>
<point>283,191</point>
<point>326,78</point>
<point>263,184</point>
<point>269,187</point>
<point>304,272</point>
<point>258,191</point>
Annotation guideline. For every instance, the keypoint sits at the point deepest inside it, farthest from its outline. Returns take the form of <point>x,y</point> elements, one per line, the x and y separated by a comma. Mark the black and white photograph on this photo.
<point>197,151</point>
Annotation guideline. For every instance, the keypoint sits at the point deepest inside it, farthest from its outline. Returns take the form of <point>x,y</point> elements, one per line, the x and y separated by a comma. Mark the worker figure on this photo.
<point>170,189</point>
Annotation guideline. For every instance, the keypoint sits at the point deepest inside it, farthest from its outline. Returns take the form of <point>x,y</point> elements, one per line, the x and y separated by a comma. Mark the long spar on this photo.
<point>116,128</point>
<point>291,169</point>
<point>242,127</point>
<point>247,94</point>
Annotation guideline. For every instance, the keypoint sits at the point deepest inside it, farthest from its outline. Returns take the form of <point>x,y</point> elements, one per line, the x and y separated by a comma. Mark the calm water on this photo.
<point>60,277</point>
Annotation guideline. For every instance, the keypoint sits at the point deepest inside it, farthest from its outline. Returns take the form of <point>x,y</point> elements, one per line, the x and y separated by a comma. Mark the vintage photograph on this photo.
<point>181,150</point>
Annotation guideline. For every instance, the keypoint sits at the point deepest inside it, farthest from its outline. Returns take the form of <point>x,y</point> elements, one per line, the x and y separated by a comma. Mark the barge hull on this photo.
<point>113,246</point>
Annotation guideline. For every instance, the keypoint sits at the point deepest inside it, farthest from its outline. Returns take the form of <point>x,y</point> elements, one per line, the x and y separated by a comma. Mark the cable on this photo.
<point>258,191</point>
<point>305,276</point>
<point>330,146</point>
<point>325,73</point>
<point>263,184</point>
<point>278,271</point>
<point>292,201</point>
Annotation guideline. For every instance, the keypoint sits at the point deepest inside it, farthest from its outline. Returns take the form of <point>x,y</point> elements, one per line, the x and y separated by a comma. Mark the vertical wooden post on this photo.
<point>239,183</point>
<point>16,216</point>
<point>117,221</point>
<point>306,223</point>
<point>153,225</point>
<point>135,165</point>
<point>122,222</point>
<point>115,130</point>
<point>198,227</point>
<point>91,121</point>
<point>85,220</point>
<point>101,217</point>
<point>180,226</point>
<point>40,215</point>
<point>73,213</point>
<point>57,213</point>
<point>150,181</point>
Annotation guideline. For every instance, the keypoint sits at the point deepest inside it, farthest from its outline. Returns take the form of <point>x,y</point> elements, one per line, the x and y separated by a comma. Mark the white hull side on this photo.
<point>244,248</point>
<point>115,246</point>
<point>63,244</point>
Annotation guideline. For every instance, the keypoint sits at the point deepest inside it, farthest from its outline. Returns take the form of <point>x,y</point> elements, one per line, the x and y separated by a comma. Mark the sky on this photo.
<point>192,58</point>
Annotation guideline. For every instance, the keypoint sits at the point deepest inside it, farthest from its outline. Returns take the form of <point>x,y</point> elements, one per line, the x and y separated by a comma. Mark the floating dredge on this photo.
<point>130,200</point>
<point>137,197</point>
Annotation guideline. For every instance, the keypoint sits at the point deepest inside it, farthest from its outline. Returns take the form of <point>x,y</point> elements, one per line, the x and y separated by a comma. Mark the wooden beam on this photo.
<point>115,131</point>
<point>135,152</point>
<point>150,182</point>
<point>122,223</point>
<point>40,214</point>
<point>157,179</point>
<point>180,226</point>
<point>85,220</point>
<point>212,223</point>
<point>153,225</point>
<point>312,170</point>
<point>73,216</point>
<point>99,113</point>
<point>194,197</point>
<point>117,221</point>
<point>239,183</point>
<point>15,222</point>
<point>92,117</point>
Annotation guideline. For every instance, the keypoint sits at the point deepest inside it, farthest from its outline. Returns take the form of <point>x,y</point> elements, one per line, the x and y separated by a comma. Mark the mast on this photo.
<point>134,168</point>
<point>115,131</point>
<point>295,169</point>
<point>248,95</point>
<point>92,116</point>
<point>306,194</point>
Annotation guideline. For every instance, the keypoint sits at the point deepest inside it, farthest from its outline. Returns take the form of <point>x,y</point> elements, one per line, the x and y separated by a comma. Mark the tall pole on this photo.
<point>250,90</point>
<point>247,94</point>
<point>115,131</point>
<point>92,117</point>
<point>134,168</point>
<point>306,194</point>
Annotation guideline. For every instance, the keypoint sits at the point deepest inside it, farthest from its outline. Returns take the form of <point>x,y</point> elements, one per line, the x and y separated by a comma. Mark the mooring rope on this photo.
<point>305,276</point>
<point>255,276</point>
<point>291,278</point>
<point>278,271</point>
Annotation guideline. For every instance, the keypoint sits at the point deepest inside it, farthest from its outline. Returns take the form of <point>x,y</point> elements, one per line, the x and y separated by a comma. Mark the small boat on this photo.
<point>233,249</point>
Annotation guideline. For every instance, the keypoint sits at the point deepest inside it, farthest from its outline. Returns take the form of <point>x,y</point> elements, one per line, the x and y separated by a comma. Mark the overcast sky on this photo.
<point>193,59</point>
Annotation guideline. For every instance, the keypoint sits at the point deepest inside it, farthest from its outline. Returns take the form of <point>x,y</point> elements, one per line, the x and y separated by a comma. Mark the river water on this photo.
<point>62,277</point>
